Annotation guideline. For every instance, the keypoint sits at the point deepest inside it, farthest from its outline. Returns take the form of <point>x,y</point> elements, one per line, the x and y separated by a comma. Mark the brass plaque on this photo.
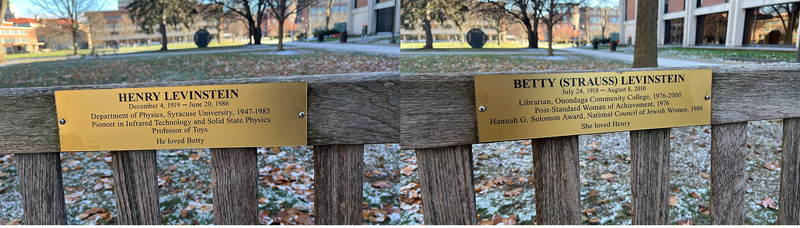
<point>513,107</point>
<point>217,116</point>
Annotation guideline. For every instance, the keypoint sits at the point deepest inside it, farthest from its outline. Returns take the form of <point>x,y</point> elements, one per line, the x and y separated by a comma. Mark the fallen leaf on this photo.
<point>173,167</point>
<point>673,201</point>
<point>695,195</point>
<point>703,210</point>
<point>502,180</point>
<point>676,190</point>
<point>694,137</point>
<point>483,156</point>
<point>705,176</point>
<point>604,201</point>
<point>589,211</point>
<point>194,157</point>
<point>512,193</point>
<point>592,193</point>
<point>183,213</point>
<point>591,158</point>
<point>93,210</point>
<point>767,203</point>
<point>382,184</point>
<point>594,220</point>
<point>14,222</point>
<point>606,176</point>
<point>772,166</point>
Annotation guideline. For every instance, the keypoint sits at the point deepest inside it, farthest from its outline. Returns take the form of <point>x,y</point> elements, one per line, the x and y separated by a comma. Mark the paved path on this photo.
<point>628,57</point>
<point>152,53</point>
<point>364,48</point>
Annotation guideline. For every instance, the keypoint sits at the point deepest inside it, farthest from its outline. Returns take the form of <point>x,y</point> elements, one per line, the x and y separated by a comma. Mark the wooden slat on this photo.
<point>789,213</point>
<point>136,187</point>
<point>342,109</point>
<point>448,193</point>
<point>234,173</point>
<point>338,184</point>
<point>650,177</point>
<point>41,189</point>
<point>439,109</point>
<point>728,174</point>
<point>557,180</point>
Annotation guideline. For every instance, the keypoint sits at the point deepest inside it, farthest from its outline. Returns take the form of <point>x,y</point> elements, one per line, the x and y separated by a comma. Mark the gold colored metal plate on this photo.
<point>550,105</point>
<point>216,116</point>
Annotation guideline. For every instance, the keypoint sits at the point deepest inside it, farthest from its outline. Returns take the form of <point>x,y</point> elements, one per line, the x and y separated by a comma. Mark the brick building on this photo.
<point>729,23</point>
<point>18,39</point>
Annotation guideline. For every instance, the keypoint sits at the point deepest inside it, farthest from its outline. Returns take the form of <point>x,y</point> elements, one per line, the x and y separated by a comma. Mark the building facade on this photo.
<point>380,16</point>
<point>18,39</point>
<point>729,23</point>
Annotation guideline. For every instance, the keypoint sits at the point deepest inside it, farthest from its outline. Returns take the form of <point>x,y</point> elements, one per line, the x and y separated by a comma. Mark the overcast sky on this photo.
<point>25,8</point>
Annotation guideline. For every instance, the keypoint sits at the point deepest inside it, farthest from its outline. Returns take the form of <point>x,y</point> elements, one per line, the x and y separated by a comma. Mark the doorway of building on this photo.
<point>385,19</point>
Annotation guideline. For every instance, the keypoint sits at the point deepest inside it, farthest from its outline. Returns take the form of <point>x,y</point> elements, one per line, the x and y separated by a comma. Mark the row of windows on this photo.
<point>596,20</point>
<point>15,40</point>
<point>14,32</point>
<point>321,10</point>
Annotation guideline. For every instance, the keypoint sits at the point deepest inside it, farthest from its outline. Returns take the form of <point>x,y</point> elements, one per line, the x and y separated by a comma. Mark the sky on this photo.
<point>25,7</point>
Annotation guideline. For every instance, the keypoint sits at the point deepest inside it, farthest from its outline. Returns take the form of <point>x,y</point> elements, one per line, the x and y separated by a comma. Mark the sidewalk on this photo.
<point>628,57</point>
<point>335,46</point>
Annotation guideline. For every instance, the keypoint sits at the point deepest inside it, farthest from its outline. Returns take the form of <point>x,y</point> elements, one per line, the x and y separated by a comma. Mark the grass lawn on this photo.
<point>171,46</point>
<point>719,55</point>
<point>496,63</point>
<point>191,67</point>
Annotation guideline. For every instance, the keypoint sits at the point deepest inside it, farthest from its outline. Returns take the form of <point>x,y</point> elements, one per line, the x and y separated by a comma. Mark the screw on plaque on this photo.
<point>482,109</point>
<point>708,97</point>
<point>62,121</point>
<point>302,114</point>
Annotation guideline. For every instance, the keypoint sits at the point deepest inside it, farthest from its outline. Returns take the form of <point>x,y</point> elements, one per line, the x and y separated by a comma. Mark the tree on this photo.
<point>280,10</point>
<point>3,6</point>
<point>460,20</point>
<point>425,12</point>
<point>97,28</point>
<point>72,11</point>
<point>553,12</point>
<point>496,16</point>
<point>604,6</point>
<point>216,17</point>
<point>152,13</point>
<point>252,11</point>
<point>527,12</point>
<point>328,11</point>
<point>126,28</point>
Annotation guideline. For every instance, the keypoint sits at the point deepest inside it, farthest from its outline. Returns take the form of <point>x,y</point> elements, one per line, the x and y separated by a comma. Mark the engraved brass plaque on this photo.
<point>511,107</point>
<point>216,116</point>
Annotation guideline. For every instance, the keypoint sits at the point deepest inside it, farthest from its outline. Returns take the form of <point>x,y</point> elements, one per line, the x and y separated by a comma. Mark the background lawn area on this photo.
<point>192,67</point>
<point>498,63</point>
<point>171,46</point>
<point>719,55</point>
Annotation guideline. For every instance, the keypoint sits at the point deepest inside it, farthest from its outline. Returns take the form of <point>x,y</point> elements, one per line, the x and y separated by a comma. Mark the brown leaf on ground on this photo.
<point>591,158</point>
<point>606,176</point>
<point>703,210</point>
<point>512,193</point>
<point>695,195</point>
<point>510,220</point>
<point>767,203</point>
<point>502,180</point>
<point>673,201</point>
<point>593,144</point>
<point>173,167</point>
<point>93,210</point>
<point>382,184</point>
<point>688,222</point>
<point>486,222</point>
<point>183,213</point>
<point>592,193</point>
<point>264,218</point>
<point>589,211</point>
<point>705,176</point>
<point>3,174</point>
<point>772,166</point>
<point>676,190</point>
<point>594,220</point>
<point>694,137</point>
<point>14,222</point>
<point>194,157</point>
<point>409,170</point>
<point>497,219</point>
<point>604,201</point>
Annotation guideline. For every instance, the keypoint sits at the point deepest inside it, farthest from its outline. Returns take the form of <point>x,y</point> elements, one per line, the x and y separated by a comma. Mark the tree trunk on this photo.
<point>646,52</point>
<point>163,29</point>
<point>536,32</point>
<point>3,6</point>
<point>428,34</point>
<point>75,39</point>
<point>252,31</point>
<point>550,40</point>
<point>280,35</point>
<point>532,39</point>
<point>219,31</point>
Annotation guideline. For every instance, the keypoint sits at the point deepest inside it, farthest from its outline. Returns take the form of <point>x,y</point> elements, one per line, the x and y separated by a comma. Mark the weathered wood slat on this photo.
<point>728,174</point>
<point>136,187</point>
<point>41,189</point>
<point>789,213</point>
<point>338,183</point>
<point>650,177</point>
<point>557,180</point>
<point>448,192</point>
<point>342,109</point>
<point>234,173</point>
<point>438,110</point>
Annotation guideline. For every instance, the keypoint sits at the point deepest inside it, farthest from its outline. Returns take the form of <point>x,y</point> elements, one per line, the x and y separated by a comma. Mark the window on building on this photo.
<point>343,9</point>
<point>613,20</point>
<point>313,19</point>
<point>712,29</point>
<point>594,20</point>
<point>299,13</point>
<point>15,40</point>
<point>312,11</point>
<point>113,17</point>
<point>673,31</point>
<point>335,9</point>
<point>775,24</point>
<point>321,10</point>
<point>14,32</point>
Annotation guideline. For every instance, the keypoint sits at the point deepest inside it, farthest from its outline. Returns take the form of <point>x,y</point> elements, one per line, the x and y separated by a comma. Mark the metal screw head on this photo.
<point>302,114</point>
<point>708,97</point>
<point>482,109</point>
<point>62,121</point>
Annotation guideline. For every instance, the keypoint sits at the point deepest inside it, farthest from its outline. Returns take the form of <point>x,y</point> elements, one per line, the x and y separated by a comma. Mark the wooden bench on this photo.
<point>344,112</point>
